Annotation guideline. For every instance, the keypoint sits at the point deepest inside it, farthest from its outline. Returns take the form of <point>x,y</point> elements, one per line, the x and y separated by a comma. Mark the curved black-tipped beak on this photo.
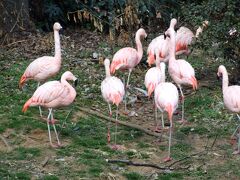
<point>76,82</point>
<point>219,77</point>
<point>146,38</point>
<point>165,36</point>
<point>61,31</point>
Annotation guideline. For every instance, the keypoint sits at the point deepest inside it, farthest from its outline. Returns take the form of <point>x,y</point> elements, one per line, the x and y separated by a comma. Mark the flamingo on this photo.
<point>153,77</point>
<point>113,91</point>
<point>166,99</point>
<point>51,95</point>
<point>231,99</point>
<point>44,67</point>
<point>128,58</point>
<point>159,46</point>
<point>185,37</point>
<point>180,70</point>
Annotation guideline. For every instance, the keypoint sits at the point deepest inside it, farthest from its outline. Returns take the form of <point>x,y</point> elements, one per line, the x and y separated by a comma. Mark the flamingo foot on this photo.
<point>233,141</point>
<point>167,159</point>
<point>236,152</point>
<point>51,122</point>
<point>58,145</point>
<point>117,147</point>
<point>183,121</point>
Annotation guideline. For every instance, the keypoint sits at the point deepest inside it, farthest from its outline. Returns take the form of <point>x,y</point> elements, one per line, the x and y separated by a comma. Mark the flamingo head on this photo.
<point>141,33</point>
<point>221,69</point>
<point>107,62</point>
<point>170,32</point>
<point>69,77</point>
<point>57,26</point>
<point>173,22</point>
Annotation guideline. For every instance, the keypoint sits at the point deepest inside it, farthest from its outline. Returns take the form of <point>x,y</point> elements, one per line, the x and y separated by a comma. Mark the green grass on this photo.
<point>85,137</point>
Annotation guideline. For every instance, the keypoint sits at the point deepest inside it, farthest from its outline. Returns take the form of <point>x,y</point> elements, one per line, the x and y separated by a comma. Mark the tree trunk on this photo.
<point>14,16</point>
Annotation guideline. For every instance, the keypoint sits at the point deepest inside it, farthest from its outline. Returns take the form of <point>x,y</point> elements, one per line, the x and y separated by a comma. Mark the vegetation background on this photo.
<point>96,29</point>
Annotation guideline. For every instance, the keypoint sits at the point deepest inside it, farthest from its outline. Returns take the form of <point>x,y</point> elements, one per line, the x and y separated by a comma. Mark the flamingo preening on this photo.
<point>53,94</point>
<point>44,67</point>
<point>231,99</point>
<point>113,91</point>
<point>128,58</point>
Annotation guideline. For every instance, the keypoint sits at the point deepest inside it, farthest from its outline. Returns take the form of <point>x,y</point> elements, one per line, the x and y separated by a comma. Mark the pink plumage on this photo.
<point>128,58</point>
<point>44,67</point>
<point>231,99</point>
<point>154,76</point>
<point>112,87</point>
<point>159,46</point>
<point>166,99</point>
<point>53,94</point>
<point>180,70</point>
<point>113,91</point>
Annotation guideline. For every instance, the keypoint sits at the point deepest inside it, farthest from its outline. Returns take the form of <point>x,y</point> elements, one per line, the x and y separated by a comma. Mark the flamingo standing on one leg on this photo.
<point>231,99</point>
<point>53,94</point>
<point>180,70</point>
<point>128,58</point>
<point>113,91</point>
<point>153,77</point>
<point>44,67</point>
<point>166,99</point>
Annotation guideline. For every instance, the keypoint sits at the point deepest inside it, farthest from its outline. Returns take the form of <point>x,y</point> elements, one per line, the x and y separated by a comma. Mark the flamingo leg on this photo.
<point>59,144</point>
<point>39,107</point>
<point>115,137</point>
<point>110,110</point>
<point>108,129</point>
<point>125,104</point>
<point>169,143</point>
<point>236,128</point>
<point>182,120</point>
<point>49,133</point>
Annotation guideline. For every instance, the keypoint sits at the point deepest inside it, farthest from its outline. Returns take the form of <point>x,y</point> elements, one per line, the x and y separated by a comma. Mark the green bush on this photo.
<point>223,16</point>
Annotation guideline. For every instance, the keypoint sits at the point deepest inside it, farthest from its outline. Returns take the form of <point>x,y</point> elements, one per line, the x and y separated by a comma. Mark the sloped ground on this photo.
<point>200,149</point>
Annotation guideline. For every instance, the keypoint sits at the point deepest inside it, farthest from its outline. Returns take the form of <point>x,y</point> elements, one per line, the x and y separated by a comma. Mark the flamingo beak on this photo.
<point>61,31</point>
<point>219,76</point>
<point>75,82</point>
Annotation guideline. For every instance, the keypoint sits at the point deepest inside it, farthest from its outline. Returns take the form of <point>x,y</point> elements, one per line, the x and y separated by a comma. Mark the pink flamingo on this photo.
<point>51,95</point>
<point>185,38</point>
<point>166,99</point>
<point>128,58</point>
<point>159,46</point>
<point>113,91</point>
<point>231,99</point>
<point>153,77</point>
<point>180,70</point>
<point>44,67</point>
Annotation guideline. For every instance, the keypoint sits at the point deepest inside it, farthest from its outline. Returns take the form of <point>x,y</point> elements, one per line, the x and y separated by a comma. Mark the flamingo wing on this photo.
<point>124,58</point>
<point>112,90</point>
<point>184,38</point>
<point>42,68</point>
<point>231,97</point>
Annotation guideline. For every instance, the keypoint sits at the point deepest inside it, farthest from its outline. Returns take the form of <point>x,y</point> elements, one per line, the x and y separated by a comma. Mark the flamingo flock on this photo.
<point>162,51</point>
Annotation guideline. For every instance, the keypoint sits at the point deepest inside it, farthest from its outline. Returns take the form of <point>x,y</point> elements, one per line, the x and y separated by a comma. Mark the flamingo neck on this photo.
<point>57,45</point>
<point>172,47</point>
<point>139,46</point>
<point>224,80</point>
<point>163,76</point>
<point>72,91</point>
<point>107,70</point>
